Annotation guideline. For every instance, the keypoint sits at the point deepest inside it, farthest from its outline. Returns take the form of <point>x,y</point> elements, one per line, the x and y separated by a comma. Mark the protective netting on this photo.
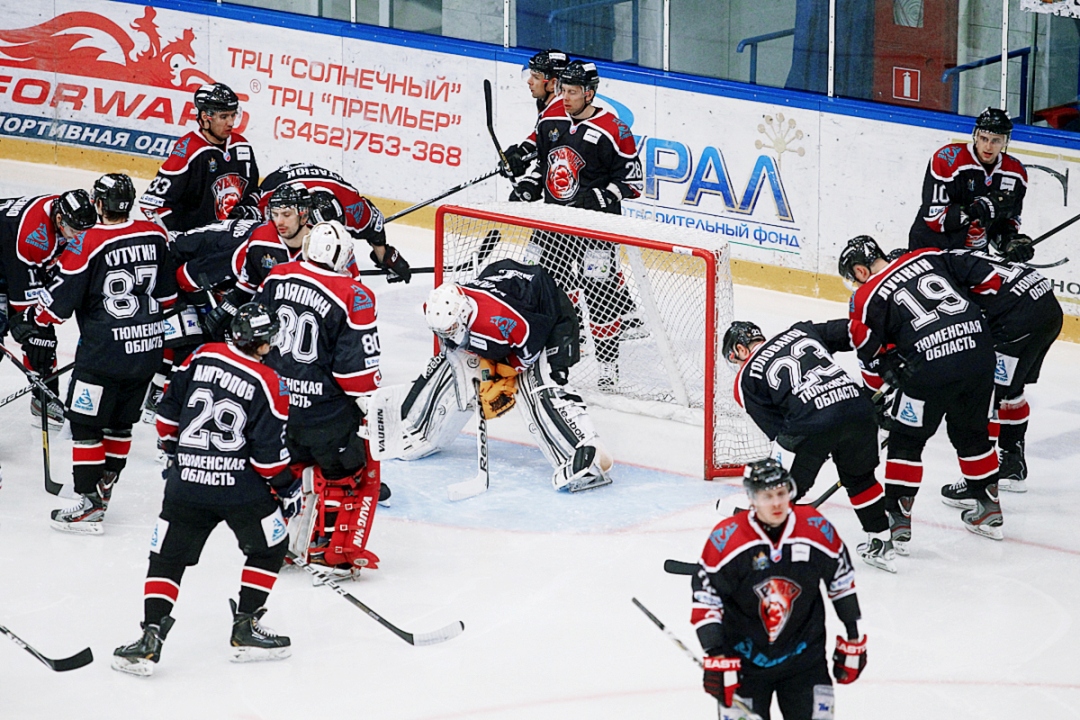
<point>642,293</point>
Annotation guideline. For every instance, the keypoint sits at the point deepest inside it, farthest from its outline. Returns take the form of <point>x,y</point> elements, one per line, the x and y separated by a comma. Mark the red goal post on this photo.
<point>654,301</point>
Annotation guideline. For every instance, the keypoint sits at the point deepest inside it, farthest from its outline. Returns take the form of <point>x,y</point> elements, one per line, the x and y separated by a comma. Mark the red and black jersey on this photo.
<point>29,243</point>
<point>954,178</point>
<point>758,598</point>
<point>554,108</point>
<point>1023,306</point>
<point>117,280</point>
<point>919,304</point>
<point>792,386</point>
<point>201,183</point>
<point>362,219</point>
<point>328,346</point>
<point>212,254</point>
<point>262,252</point>
<point>223,417</point>
<point>518,310</point>
<point>576,156</point>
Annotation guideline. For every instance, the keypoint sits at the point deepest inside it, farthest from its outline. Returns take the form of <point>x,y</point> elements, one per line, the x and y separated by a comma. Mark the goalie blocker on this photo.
<point>512,317</point>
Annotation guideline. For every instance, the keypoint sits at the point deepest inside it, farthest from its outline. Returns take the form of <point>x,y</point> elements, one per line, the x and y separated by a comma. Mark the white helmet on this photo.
<point>330,244</point>
<point>448,313</point>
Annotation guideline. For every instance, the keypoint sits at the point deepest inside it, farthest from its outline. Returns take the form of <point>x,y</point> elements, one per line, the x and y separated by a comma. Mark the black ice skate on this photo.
<point>252,642</point>
<point>900,524</point>
<point>139,657</point>
<point>985,518</point>
<point>1012,470</point>
<point>958,495</point>
<point>84,516</point>
<point>105,487</point>
<point>878,551</point>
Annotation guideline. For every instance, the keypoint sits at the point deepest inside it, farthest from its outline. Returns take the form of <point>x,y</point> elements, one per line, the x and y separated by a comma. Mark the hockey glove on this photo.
<point>397,269</point>
<point>40,348</point>
<point>883,406</point>
<point>560,375</point>
<point>528,190</point>
<point>722,678</point>
<point>23,326</point>
<point>515,162</point>
<point>894,368</point>
<point>220,318</point>
<point>1019,249</point>
<point>983,210</point>
<point>291,498</point>
<point>596,199</point>
<point>849,659</point>
<point>498,384</point>
<point>245,212</point>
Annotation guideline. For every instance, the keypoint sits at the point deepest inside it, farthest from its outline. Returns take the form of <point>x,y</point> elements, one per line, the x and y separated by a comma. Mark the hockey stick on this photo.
<point>78,660</point>
<point>737,704</point>
<point>503,162</point>
<point>1055,231</point>
<point>431,638</point>
<point>678,567</point>
<point>451,191</point>
<point>482,481</point>
<point>47,379</point>
<point>44,393</point>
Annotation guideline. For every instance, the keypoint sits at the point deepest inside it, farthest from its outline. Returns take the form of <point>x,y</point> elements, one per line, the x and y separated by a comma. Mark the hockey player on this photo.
<point>328,356</point>
<point>542,76</point>
<point>915,331</point>
<point>796,393</point>
<point>211,174</point>
<point>516,316</point>
<point>974,193</point>
<point>116,280</point>
<point>757,609</point>
<point>335,199</point>
<point>587,158</point>
<point>1025,318</point>
<point>33,232</point>
<point>221,421</point>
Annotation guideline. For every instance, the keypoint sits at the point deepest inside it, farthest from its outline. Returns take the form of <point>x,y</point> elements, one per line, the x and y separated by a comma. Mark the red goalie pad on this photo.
<point>345,514</point>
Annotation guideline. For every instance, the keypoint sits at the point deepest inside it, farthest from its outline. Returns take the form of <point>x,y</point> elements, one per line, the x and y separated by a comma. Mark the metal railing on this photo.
<point>955,72</point>
<point>753,42</point>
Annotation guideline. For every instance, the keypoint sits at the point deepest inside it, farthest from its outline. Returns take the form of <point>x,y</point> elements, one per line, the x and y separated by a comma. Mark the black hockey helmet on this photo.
<point>216,97</point>
<point>582,74</point>
<point>765,474</point>
<point>116,193</point>
<point>994,120</point>
<point>740,332</point>
<point>75,209</point>
<point>253,326</point>
<point>550,63</point>
<point>862,250</point>
<point>294,196</point>
<point>325,207</point>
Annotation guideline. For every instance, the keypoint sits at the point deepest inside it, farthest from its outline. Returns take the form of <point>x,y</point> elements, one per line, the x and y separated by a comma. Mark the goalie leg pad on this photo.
<point>565,433</point>
<point>433,414</point>
<point>346,510</point>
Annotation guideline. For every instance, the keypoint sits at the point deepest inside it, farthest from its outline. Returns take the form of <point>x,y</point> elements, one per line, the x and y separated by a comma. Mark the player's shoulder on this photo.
<point>813,527</point>
<point>951,159</point>
<point>555,111</point>
<point>274,388</point>
<point>186,148</point>
<point>237,139</point>
<point>728,539</point>
<point>266,233</point>
<point>615,128</point>
<point>36,239</point>
<point>1010,164</point>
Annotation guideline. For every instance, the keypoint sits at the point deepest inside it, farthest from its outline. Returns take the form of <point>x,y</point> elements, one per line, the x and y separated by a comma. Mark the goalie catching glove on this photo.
<point>849,659</point>
<point>498,384</point>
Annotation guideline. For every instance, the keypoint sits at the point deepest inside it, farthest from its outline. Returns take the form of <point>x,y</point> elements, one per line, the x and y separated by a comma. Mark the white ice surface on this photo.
<point>969,628</point>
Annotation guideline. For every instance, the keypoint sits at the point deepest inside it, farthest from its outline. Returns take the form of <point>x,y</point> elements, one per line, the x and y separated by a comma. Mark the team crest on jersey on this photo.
<point>268,262</point>
<point>39,238</point>
<point>283,388</point>
<point>355,212</point>
<point>989,180</point>
<point>361,300</point>
<point>564,164</point>
<point>505,325</point>
<point>949,154</point>
<point>823,526</point>
<point>212,165</point>
<point>776,597</point>
<point>553,135</point>
<point>720,536</point>
<point>624,131</point>
<point>180,149</point>
<point>761,561</point>
<point>228,191</point>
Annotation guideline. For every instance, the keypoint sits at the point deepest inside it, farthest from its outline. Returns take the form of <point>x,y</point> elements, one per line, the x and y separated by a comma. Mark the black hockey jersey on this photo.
<point>29,244</point>
<point>760,600</point>
<point>327,351</point>
<point>362,219</point>
<point>576,156</point>
<point>201,183</point>
<point>263,251</point>
<point>116,280</point>
<point>919,304</point>
<point>1024,304</point>
<point>521,314</point>
<point>791,385</point>
<point>222,418</point>
<point>212,254</point>
<point>954,178</point>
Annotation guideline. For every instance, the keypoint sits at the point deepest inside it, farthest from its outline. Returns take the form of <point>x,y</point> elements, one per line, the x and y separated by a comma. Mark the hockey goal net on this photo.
<point>654,301</point>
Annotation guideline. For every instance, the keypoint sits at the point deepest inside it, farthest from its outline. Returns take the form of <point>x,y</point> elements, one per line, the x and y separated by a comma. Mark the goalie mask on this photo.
<point>329,244</point>
<point>448,312</point>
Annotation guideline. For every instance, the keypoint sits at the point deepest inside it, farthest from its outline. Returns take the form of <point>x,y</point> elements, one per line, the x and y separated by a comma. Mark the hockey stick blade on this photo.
<point>467,489</point>
<point>678,567</point>
<point>80,659</point>
<point>1062,261</point>
<point>429,638</point>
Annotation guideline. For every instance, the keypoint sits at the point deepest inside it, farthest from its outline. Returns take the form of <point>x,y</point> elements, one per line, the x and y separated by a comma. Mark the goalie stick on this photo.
<point>482,481</point>
<point>430,638</point>
<point>679,567</point>
<point>78,660</point>
<point>44,393</point>
<point>747,713</point>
